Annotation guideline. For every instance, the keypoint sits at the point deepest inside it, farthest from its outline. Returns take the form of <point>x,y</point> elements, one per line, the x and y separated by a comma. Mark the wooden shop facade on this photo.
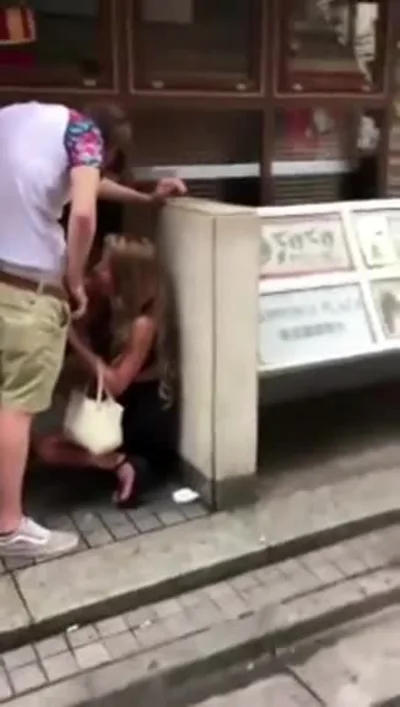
<point>255,101</point>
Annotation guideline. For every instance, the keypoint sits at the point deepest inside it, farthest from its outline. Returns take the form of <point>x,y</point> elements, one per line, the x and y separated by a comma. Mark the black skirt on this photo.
<point>149,428</point>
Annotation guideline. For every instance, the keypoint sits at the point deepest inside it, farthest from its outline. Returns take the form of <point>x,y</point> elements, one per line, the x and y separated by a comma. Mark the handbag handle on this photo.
<point>100,386</point>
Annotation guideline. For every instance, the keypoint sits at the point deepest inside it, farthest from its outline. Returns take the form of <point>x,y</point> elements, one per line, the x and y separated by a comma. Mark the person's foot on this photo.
<point>32,540</point>
<point>126,479</point>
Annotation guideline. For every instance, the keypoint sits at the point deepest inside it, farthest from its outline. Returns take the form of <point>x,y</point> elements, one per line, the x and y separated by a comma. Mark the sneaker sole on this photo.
<point>36,553</point>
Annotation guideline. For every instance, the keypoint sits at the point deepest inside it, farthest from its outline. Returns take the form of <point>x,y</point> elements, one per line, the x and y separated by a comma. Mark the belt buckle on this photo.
<point>41,287</point>
<point>46,288</point>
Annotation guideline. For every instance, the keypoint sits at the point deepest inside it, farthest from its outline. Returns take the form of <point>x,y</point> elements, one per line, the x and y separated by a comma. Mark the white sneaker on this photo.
<point>33,541</point>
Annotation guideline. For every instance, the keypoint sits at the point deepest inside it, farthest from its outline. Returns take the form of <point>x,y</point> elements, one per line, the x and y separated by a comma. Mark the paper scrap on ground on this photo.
<point>185,495</point>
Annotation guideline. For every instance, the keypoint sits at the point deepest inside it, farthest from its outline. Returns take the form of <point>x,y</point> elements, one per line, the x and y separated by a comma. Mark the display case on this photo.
<point>57,44</point>
<point>329,286</point>
<point>332,46</point>
<point>195,44</point>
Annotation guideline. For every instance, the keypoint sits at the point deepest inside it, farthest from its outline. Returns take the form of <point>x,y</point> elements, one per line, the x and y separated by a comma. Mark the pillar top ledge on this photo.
<point>212,208</point>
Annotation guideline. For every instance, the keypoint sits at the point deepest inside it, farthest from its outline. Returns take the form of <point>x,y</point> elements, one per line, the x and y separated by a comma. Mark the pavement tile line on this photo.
<point>212,548</point>
<point>36,617</point>
<point>99,524</point>
<point>199,632</point>
<point>156,565</point>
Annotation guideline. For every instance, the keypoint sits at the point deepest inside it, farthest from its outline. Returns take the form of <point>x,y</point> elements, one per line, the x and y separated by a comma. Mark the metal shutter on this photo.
<point>306,189</point>
<point>206,189</point>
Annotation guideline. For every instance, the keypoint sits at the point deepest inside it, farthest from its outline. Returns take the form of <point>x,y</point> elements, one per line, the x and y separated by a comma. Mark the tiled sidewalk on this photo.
<point>348,571</point>
<point>84,506</point>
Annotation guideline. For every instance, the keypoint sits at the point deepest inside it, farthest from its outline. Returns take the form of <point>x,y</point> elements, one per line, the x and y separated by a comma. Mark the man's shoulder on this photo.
<point>31,107</point>
<point>33,112</point>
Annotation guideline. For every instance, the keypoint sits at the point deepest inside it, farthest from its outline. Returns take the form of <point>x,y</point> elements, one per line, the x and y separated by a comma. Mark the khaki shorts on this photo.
<point>33,335</point>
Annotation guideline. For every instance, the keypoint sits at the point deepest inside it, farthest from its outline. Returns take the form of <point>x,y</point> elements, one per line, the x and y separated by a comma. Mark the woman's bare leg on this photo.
<point>126,480</point>
<point>55,449</point>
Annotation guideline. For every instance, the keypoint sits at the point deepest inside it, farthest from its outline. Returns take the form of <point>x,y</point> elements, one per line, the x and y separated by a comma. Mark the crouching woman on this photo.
<point>125,334</point>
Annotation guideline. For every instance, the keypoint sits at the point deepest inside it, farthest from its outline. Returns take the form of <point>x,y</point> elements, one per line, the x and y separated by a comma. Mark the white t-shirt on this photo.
<point>35,159</point>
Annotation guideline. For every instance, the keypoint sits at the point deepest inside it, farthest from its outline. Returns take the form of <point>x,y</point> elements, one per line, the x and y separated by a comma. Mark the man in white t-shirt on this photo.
<point>50,155</point>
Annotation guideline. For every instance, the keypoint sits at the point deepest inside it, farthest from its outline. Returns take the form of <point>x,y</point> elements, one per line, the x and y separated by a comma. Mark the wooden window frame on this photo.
<point>322,83</point>
<point>60,79</point>
<point>216,81</point>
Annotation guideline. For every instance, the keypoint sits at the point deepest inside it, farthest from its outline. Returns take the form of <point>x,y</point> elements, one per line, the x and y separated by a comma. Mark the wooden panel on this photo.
<point>187,137</point>
<point>70,44</point>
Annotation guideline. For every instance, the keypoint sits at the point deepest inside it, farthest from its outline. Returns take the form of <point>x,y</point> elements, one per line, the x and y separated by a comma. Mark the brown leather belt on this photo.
<point>24,283</point>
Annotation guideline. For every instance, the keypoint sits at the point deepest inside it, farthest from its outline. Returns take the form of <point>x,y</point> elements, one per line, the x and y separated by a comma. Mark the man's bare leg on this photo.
<point>15,430</point>
<point>21,536</point>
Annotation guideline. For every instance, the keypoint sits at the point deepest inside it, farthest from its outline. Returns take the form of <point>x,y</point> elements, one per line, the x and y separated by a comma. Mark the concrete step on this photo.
<point>226,635</point>
<point>39,600</point>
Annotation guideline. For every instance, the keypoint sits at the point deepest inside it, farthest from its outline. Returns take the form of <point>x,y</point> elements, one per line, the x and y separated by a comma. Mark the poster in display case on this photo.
<point>313,325</point>
<point>299,245</point>
<point>378,235</point>
<point>387,299</point>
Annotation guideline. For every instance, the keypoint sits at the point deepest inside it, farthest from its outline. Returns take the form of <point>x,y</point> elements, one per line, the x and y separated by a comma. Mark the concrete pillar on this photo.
<point>212,253</point>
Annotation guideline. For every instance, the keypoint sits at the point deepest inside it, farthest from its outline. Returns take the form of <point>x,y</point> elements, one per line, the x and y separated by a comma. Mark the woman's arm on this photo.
<point>126,368</point>
<point>80,346</point>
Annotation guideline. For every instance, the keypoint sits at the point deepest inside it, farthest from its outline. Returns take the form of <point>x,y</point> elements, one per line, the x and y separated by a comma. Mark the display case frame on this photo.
<point>187,82</point>
<point>308,79</point>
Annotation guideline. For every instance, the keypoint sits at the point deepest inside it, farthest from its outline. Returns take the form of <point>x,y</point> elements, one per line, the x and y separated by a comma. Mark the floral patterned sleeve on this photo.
<point>83,142</point>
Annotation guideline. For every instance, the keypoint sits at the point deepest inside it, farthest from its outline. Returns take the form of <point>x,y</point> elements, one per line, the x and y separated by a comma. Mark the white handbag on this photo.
<point>94,424</point>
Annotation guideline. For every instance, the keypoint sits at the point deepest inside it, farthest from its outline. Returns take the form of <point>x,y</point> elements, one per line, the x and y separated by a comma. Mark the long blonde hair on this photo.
<point>140,286</point>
